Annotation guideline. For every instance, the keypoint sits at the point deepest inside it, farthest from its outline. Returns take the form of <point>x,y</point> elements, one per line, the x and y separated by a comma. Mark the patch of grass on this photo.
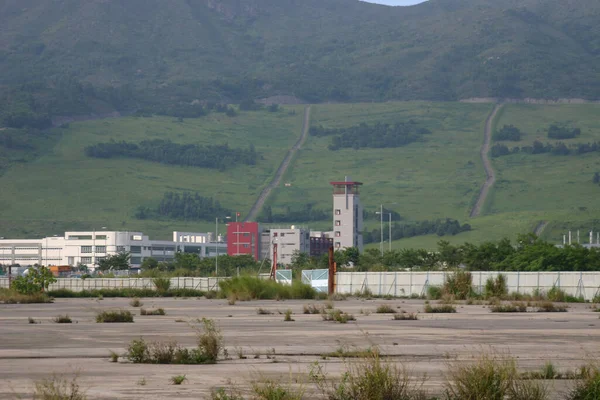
<point>548,306</point>
<point>124,292</point>
<point>371,377</point>
<point>434,292</point>
<point>496,287</point>
<point>62,319</point>
<point>162,284</point>
<point>313,309</point>
<point>114,316</point>
<point>8,296</point>
<point>339,297</point>
<point>404,316</point>
<point>458,284</point>
<point>288,316</point>
<point>141,382</point>
<point>560,296</point>
<point>267,389</point>
<point>58,387</point>
<point>158,311</point>
<point>346,352</point>
<point>491,377</point>
<point>385,309</point>
<point>337,316</point>
<point>245,288</point>
<point>365,293</point>
<point>31,320</point>
<point>136,302</point>
<point>509,308</point>
<point>263,311</point>
<point>588,387</point>
<point>440,309</point>
<point>114,357</point>
<point>178,379</point>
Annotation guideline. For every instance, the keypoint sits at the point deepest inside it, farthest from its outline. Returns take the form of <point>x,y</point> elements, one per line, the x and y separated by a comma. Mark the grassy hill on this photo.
<point>70,57</point>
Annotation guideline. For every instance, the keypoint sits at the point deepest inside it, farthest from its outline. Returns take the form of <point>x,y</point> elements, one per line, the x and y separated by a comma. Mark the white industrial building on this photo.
<point>88,248</point>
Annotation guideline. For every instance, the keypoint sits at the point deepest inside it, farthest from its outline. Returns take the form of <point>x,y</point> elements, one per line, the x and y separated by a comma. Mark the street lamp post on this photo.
<point>381,231</point>
<point>217,245</point>
<point>381,213</point>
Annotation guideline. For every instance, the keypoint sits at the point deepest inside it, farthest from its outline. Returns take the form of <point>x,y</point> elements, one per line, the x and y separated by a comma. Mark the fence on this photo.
<point>586,284</point>
<point>397,284</point>
<point>77,285</point>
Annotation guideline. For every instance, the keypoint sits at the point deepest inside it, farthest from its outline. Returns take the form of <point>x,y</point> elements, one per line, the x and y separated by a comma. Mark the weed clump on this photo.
<point>62,319</point>
<point>9,296</point>
<point>459,284</point>
<point>31,320</point>
<point>136,302</point>
<point>588,387</point>
<point>263,311</point>
<point>440,309</point>
<point>337,316</point>
<point>509,308</point>
<point>58,388</point>
<point>288,316</point>
<point>496,287</point>
<point>385,309</point>
<point>114,316</point>
<point>162,284</point>
<point>434,293</point>
<point>548,306</point>
<point>246,288</point>
<point>404,316</point>
<point>178,379</point>
<point>158,311</point>
<point>312,309</point>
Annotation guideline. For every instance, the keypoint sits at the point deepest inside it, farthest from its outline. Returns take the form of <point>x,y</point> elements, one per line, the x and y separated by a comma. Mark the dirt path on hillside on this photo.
<point>487,164</point>
<point>264,195</point>
<point>539,229</point>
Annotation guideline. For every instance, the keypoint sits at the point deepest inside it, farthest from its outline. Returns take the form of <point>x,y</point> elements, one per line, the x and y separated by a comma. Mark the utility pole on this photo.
<point>390,233</point>
<point>381,221</point>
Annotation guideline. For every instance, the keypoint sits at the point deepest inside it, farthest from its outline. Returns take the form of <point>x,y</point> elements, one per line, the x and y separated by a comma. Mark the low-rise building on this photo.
<point>89,248</point>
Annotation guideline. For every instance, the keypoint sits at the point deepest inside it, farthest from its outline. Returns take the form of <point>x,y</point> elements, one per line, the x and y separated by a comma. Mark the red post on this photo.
<point>9,276</point>
<point>274,266</point>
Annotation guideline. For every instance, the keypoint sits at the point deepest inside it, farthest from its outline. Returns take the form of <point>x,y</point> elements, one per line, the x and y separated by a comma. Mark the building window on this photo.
<point>136,260</point>
<point>136,249</point>
<point>98,259</point>
<point>338,234</point>
<point>100,249</point>
<point>338,245</point>
<point>80,237</point>
<point>120,249</point>
<point>338,223</point>
<point>86,260</point>
<point>71,260</point>
<point>282,234</point>
<point>338,212</point>
<point>274,234</point>
<point>86,249</point>
<point>246,246</point>
<point>100,237</point>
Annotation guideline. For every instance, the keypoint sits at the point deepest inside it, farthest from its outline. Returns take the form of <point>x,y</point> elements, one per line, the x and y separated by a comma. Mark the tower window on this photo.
<point>338,223</point>
<point>338,212</point>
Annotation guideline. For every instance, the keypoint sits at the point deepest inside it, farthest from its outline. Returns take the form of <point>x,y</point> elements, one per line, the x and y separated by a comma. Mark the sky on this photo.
<point>396,2</point>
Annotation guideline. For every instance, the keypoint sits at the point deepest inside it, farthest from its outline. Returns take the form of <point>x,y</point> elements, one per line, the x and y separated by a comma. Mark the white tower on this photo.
<point>347,215</point>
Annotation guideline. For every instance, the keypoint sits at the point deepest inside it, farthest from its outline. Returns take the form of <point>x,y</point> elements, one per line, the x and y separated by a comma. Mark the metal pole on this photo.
<point>237,253</point>
<point>381,221</point>
<point>216,246</point>
<point>390,233</point>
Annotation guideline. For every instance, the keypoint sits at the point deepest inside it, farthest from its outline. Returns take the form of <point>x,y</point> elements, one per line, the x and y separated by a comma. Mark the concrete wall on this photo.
<point>586,284</point>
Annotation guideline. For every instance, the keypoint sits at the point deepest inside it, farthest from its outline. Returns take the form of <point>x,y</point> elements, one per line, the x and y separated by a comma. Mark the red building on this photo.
<point>243,238</point>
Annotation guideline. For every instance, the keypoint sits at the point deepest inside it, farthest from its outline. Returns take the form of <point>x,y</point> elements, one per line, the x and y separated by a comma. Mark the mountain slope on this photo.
<point>88,56</point>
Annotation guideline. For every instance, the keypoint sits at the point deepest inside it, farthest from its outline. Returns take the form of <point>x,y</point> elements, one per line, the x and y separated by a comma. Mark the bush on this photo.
<point>509,308</point>
<point>547,306</point>
<point>490,378</point>
<point>496,287</point>
<point>162,284</point>
<point>9,296</point>
<point>441,309</point>
<point>135,302</point>
<point>58,388</point>
<point>274,390</point>
<point>62,319</point>
<point>369,378</point>
<point>337,316</point>
<point>178,379</point>
<point>245,288</point>
<point>403,316</point>
<point>434,293</point>
<point>158,311</point>
<point>459,284</point>
<point>588,387</point>
<point>36,281</point>
<point>385,309</point>
<point>210,340</point>
<point>114,316</point>
<point>312,309</point>
<point>288,316</point>
<point>138,351</point>
<point>558,295</point>
<point>262,311</point>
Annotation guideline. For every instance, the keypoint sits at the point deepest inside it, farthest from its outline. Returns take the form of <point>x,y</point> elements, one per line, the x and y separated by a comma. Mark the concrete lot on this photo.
<point>32,352</point>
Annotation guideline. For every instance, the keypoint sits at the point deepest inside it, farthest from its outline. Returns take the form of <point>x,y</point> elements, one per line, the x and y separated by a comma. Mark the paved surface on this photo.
<point>487,164</point>
<point>264,195</point>
<point>32,352</point>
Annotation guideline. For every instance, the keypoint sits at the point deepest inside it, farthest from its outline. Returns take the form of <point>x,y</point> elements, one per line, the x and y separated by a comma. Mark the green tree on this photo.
<point>115,262</point>
<point>36,280</point>
<point>300,259</point>
<point>149,263</point>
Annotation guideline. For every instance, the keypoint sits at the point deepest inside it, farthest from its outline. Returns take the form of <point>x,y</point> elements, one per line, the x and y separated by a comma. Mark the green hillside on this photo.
<point>65,189</point>
<point>69,57</point>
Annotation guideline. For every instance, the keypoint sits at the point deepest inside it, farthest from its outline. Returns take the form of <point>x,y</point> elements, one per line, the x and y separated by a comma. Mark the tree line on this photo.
<point>557,149</point>
<point>218,157</point>
<point>305,214</point>
<point>372,136</point>
<point>440,227</point>
<point>186,206</point>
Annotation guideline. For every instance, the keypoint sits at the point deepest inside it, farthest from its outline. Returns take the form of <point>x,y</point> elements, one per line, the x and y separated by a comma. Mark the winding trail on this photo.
<point>539,229</point>
<point>264,195</point>
<point>487,164</point>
